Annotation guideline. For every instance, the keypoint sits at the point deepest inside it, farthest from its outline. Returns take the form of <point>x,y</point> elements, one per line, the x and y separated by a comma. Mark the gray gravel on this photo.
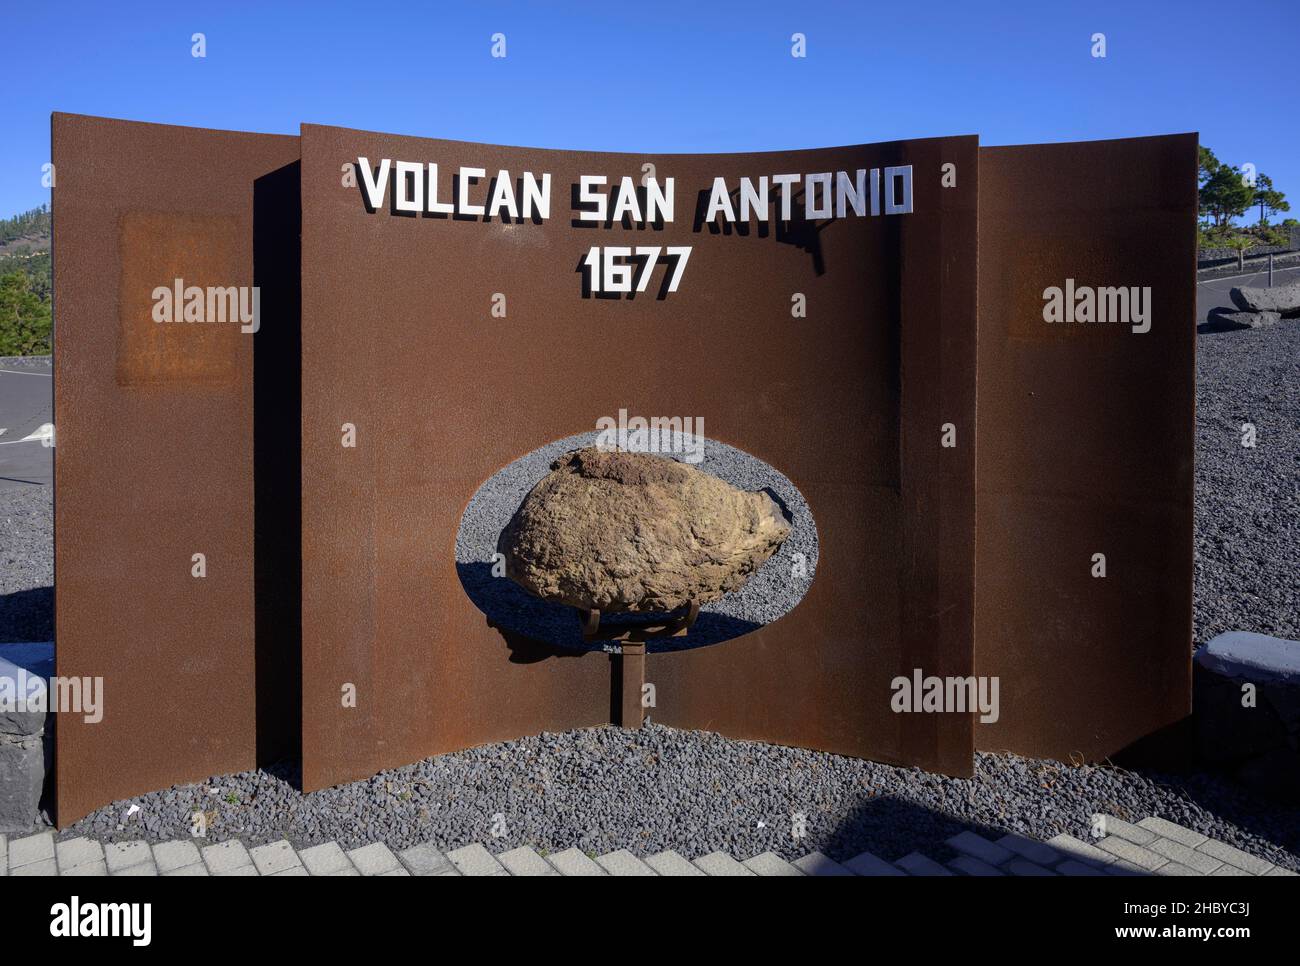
<point>772,591</point>
<point>27,564</point>
<point>657,788</point>
<point>1248,500</point>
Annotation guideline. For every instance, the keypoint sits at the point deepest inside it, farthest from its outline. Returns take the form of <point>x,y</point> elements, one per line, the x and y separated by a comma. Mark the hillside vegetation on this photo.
<point>25,283</point>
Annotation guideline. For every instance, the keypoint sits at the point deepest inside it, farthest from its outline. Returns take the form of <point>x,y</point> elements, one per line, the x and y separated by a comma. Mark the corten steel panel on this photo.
<point>1085,446</point>
<point>155,454</point>
<point>399,341</point>
<point>894,585</point>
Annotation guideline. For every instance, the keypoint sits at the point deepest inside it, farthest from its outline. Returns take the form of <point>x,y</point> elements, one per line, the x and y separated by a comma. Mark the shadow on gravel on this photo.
<point>535,629</point>
<point>1208,328</point>
<point>891,828</point>
<point>1223,796</point>
<point>27,615</point>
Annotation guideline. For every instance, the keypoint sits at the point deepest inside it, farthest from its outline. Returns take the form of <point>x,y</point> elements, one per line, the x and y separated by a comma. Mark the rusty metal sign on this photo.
<point>848,399</point>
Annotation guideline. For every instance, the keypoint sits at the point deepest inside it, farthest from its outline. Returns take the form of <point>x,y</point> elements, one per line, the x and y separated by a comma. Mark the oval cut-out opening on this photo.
<point>769,593</point>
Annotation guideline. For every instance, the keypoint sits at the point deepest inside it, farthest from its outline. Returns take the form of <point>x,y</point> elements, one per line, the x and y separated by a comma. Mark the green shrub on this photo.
<point>24,318</point>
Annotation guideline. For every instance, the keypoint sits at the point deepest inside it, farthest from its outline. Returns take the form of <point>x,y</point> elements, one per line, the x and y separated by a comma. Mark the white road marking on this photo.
<point>23,372</point>
<point>43,432</point>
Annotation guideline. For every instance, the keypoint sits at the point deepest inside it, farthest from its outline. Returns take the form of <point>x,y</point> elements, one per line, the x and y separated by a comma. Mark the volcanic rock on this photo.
<point>1281,298</point>
<point>1220,317</point>
<point>637,532</point>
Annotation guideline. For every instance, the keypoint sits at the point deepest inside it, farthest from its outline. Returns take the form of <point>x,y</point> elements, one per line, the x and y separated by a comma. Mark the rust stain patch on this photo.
<point>156,248</point>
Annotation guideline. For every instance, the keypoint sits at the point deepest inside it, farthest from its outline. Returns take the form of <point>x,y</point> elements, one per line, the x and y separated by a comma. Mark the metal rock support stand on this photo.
<point>629,662</point>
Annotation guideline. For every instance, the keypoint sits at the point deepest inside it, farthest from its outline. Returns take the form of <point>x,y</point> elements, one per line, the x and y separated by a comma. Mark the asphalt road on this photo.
<point>26,405</point>
<point>1215,291</point>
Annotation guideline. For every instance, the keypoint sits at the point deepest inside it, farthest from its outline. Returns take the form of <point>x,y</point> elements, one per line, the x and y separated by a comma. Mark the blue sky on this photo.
<point>661,76</point>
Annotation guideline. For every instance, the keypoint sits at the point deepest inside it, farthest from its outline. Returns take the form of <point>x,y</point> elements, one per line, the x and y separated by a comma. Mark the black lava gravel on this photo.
<point>27,563</point>
<point>657,788</point>
<point>1248,499</point>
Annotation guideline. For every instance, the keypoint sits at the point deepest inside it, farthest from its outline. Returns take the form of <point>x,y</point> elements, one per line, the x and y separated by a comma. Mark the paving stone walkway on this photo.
<point>1151,847</point>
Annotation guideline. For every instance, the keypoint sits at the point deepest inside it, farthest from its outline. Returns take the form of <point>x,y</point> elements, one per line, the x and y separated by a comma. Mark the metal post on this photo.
<point>630,667</point>
<point>1270,269</point>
